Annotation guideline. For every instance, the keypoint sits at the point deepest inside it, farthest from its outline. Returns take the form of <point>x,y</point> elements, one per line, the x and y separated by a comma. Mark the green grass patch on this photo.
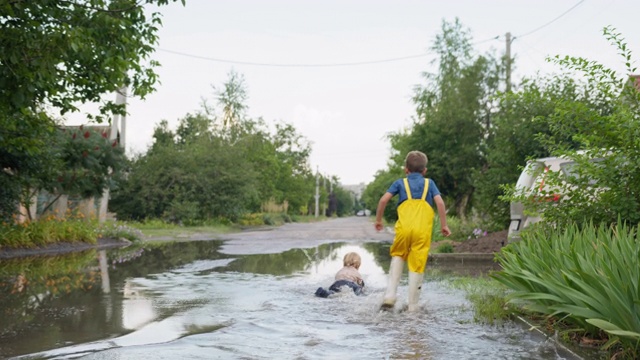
<point>488,297</point>
<point>48,231</point>
<point>446,248</point>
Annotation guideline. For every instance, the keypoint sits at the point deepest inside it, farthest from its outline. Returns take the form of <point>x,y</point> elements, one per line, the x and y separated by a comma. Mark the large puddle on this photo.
<point>188,300</point>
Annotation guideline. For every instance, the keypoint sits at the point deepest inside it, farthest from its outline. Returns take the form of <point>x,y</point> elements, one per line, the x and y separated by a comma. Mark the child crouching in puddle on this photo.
<point>347,276</point>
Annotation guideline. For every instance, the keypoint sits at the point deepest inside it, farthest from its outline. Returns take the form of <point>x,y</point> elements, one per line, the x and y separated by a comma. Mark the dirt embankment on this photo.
<point>491,243</point>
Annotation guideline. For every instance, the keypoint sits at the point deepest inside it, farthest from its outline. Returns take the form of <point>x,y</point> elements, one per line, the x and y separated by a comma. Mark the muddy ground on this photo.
<point>491,243</point>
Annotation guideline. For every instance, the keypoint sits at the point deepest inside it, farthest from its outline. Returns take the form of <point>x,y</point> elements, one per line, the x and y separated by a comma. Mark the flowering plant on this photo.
<point>477,233</point>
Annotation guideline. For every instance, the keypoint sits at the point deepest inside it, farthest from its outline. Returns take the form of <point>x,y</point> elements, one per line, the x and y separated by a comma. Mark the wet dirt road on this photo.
<point>352,230</point>
<point>246,295</point>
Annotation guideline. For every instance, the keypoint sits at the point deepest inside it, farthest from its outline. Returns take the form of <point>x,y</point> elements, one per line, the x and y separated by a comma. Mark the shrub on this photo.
<point>589,276</point>
<point>253,219</point>
<point>445,248</point>
<point>267,219</point>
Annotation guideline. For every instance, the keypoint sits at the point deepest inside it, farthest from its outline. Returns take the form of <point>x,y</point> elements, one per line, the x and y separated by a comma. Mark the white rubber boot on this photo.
<point>395,272</point>
<point>415,285</point>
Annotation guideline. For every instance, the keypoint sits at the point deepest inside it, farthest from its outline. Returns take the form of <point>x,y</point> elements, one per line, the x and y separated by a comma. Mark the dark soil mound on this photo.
<point>492,243</point>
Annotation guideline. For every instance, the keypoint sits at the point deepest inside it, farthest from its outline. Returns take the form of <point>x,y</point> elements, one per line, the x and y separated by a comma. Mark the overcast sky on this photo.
<point>346,111</point>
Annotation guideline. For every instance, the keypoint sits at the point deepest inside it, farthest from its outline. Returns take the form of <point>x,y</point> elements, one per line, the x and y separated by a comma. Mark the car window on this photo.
<point>569,167</point>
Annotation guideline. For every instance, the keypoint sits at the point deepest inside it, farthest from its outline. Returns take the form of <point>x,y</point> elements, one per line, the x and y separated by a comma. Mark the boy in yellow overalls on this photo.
<point>417,197</point>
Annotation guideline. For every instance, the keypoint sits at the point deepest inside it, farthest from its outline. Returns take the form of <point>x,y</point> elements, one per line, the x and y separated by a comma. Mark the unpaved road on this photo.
<point>351,229</point>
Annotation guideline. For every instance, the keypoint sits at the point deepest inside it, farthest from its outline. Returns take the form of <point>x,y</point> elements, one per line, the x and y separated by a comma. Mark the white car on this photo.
<point>532,181</point>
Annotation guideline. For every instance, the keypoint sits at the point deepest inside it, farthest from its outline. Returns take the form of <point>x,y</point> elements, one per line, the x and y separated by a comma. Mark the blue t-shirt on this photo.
<point>416,185</point>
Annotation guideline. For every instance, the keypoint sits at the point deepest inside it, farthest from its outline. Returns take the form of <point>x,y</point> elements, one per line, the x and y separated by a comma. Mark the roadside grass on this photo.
<point>48,230</point>
<point>156,228</point>
<point>76,228</point>
<point>488,297</point>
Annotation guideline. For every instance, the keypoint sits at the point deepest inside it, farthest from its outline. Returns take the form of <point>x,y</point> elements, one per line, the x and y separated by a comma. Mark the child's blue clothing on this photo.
<point>335,287</point>
<point>416,184</point>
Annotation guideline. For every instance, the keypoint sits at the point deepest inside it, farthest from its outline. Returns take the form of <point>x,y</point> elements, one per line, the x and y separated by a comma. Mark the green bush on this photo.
<point>445,248</point>
<point>589,276</point>
<point>183,212</point>
<point>254,219</point>
<point>267,219</point>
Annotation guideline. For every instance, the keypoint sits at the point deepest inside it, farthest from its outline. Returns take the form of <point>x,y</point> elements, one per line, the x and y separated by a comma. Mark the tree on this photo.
<point>232,98</point>
<point>55,55</point>
<point>203,170</point>
<point>518,125</point>
<point>601,137</point>
<point>374,190</point>
<point>345,201</point>
<point>62,53</point>
<point>454,112</point>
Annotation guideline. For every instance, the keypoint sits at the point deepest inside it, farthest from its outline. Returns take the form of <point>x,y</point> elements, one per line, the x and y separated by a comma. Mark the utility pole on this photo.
<point>317,192</point>
<point>508,64</point>
<point>118,128</point>
<point>122,99</point>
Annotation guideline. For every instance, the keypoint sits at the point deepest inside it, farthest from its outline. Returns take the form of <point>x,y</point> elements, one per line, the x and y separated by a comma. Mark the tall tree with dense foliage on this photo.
<point>374,190</point>
<point>55,55</point>
<point>454,111</point>
<point>518,125</point>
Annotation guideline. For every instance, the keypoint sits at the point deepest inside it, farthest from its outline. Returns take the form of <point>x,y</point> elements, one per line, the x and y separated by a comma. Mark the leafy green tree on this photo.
<point>162,136</point>
<point>232,99</point>
<point>62,53</point>
<point>55,55</point>
<point>203,178</point>
<point>601,186</point>
<point>345,201</point>
<point>454,111</point>
<point>28,153</point>
<point>374,190</point>
<point>295,182</point>
<point>204,170</point>
<point>518,125</point>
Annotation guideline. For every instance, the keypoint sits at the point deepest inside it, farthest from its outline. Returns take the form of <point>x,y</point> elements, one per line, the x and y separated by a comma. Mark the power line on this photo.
<point>237,62</point>
<point>550,22</point>
<point>356,63</point>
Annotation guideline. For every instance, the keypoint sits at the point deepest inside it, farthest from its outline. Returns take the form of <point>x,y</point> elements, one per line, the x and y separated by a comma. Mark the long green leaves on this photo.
<point>589,275</point>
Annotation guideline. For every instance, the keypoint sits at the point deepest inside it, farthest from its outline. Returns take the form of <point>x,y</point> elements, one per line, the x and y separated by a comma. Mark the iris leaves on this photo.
<point>588,275</point>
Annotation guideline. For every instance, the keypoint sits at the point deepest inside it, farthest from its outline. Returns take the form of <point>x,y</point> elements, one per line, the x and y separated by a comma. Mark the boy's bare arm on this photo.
<point>442,214</point>
<point>384,199</point>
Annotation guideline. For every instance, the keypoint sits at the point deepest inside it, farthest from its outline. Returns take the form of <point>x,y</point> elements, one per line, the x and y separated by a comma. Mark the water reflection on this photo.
<point>176,300</point>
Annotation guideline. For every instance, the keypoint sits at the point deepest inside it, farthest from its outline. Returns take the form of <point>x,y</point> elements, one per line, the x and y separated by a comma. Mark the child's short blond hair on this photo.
<point>352,259</point>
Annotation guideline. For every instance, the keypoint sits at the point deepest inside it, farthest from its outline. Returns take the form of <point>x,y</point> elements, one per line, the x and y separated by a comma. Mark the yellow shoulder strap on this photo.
<point>406,188</point>
<point>424,191</point>
<point>426,188</point>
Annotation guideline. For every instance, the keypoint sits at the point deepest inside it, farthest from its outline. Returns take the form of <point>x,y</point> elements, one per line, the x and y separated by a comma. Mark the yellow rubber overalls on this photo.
<point>413,230</point>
